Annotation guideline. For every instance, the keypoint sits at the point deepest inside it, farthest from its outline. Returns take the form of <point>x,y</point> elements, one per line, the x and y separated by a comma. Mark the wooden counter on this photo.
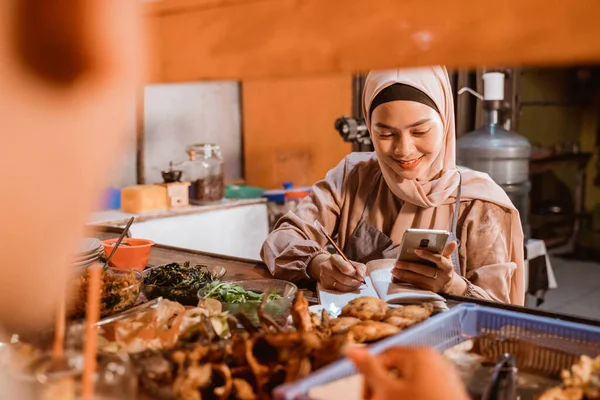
<point>238,269</point>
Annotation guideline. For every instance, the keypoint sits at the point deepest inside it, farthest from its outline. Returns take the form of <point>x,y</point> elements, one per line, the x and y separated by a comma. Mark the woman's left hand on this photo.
<point>424,276</point>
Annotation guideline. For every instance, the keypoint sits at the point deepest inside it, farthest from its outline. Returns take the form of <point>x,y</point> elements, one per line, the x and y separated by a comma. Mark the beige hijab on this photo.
<point>429,201</point>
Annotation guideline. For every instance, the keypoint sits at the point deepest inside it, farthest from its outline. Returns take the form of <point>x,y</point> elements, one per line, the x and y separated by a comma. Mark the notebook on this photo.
<point>379,284</point>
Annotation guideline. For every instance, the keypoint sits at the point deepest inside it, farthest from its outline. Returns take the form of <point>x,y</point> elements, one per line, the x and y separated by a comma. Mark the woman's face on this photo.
<point>408,137</point>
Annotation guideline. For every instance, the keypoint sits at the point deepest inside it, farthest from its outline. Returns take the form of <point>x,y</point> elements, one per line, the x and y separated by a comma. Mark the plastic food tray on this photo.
<point>455,326</point>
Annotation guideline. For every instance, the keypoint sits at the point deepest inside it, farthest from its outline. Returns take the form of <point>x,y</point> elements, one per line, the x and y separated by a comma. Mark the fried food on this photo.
<point>370,331</point>
<point>404,317</point>
<point>342,324</point>
<point>300,313</point>
<point>562,394</point>
<point>366,308</point>
<point>242,390</point>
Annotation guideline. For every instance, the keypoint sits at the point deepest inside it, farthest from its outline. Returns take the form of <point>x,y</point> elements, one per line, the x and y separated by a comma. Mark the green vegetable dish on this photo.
<point>234,294</point>
<point>178,275</point>
<point>179,281</point>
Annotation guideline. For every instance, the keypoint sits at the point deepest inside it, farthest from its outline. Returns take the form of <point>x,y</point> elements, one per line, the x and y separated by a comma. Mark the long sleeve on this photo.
<point>295,242</point>
<point>486,251</point>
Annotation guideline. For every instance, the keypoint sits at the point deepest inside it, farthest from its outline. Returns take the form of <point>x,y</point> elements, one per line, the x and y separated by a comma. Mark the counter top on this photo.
<point>119,218</point>
<point>239,269</point>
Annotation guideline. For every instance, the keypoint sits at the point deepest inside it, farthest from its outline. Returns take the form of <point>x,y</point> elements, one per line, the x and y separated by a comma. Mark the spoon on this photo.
<point>118,242</point>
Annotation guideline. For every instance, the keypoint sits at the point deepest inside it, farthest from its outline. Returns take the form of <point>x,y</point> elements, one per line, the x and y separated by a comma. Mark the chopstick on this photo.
<point>324,232</point>
<point>59,328</point>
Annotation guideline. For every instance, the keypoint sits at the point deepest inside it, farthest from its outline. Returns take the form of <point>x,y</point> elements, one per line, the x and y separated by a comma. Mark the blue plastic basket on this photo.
<point>455,326</point>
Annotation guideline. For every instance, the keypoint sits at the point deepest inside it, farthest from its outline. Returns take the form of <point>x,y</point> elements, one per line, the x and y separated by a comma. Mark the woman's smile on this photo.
<point>409,164</point>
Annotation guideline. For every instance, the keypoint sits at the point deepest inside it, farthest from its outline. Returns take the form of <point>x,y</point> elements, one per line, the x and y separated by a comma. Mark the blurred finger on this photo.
<point>376,375</point>
<point>406,360</point>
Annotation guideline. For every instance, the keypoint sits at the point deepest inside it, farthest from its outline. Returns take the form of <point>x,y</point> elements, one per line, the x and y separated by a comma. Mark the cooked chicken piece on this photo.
<point>400,322</point>
<point>584,375</point>
<point>342,324</point>
<point>366,308</point>
<point>221,374</point>
<point>297,369</point>
<point>562,394</point>
<point>315,320</point>
<point>333,349</point>
<point>325,319</point>
<point>301,314</point>
<point>188,383</point>
<point>242,390</point>
<point>414,312</point>
<point>370,331</point>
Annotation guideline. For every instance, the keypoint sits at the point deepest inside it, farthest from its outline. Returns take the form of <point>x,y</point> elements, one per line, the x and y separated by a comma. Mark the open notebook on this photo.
<point>379,284</point>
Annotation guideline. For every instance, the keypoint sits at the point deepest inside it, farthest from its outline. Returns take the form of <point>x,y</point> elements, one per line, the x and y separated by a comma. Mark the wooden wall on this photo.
<point>288,128</point>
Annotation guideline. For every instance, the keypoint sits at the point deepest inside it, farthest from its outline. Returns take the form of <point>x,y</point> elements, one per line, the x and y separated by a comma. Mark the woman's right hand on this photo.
<point>418,373</point>
<point>334,273</point>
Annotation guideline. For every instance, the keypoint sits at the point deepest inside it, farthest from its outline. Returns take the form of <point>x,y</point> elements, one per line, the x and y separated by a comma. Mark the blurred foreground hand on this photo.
<point>408,373</point>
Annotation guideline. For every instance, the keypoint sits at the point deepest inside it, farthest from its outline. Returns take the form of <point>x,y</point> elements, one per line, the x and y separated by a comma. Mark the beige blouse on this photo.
<point>355,190</point>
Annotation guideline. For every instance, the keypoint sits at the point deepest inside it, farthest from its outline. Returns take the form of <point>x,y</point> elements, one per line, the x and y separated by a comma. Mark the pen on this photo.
<point>323,232</point>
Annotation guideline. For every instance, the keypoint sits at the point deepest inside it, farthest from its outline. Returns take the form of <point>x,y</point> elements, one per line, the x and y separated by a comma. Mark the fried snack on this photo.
<point>366,308</point>
<point>300,313</point>
<point>562,394</point>
<point>370,331</point>
<point>342,324</point>
<point>242,390</point>
<point>404,317</point>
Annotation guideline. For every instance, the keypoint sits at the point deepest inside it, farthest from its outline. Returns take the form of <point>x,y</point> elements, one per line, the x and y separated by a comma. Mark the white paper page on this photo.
<point>332,299</point>
<point>380,272</point>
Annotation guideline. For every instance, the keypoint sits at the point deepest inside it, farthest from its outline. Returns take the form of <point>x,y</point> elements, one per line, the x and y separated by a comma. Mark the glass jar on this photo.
<point>204,171</point>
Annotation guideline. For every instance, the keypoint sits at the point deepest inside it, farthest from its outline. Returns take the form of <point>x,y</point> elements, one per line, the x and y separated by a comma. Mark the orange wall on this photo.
<point>288,128</point>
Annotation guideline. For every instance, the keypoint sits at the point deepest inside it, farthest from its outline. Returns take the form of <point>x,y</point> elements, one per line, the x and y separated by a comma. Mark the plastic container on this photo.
<point>120,290</point>
<point>243,192</point>
<point>455,326</point>
<point>293,198</point>
<point>132,253</point>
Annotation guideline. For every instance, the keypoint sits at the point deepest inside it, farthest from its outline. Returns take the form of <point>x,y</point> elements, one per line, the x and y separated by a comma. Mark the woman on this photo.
<point>411,181</point>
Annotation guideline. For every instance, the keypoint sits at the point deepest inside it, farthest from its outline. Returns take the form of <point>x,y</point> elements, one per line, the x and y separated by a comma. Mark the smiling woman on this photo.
<point>411,181</point>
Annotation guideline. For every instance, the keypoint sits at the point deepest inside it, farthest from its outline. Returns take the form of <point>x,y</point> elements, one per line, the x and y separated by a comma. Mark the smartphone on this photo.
<point>425,239</point>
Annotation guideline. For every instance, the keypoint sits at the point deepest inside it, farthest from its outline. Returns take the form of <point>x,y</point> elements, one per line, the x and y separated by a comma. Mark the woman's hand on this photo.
<point>430,278</point>
<point>418,373</point>
<point>334,273</point>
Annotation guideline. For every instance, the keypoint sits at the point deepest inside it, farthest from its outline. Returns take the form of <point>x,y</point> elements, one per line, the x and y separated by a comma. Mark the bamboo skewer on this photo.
<point>92,314</point>
<point>59,328</point>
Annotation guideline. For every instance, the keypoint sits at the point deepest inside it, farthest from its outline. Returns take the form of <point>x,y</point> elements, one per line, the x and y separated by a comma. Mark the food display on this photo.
<point>544,371</point>
<point>244,297</point>
<point>179,281</point>
<point>160,327</point>
<point>120,289</point>
<point>581,381</point>
<point>234,293</point>
<point>247,362</point>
